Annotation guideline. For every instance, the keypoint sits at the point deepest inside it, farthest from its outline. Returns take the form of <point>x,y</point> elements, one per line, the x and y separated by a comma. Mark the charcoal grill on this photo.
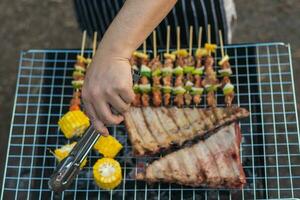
<point>270,151</point>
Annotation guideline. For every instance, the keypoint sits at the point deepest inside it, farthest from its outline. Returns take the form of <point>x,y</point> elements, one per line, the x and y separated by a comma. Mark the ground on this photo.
<point>35,24</point>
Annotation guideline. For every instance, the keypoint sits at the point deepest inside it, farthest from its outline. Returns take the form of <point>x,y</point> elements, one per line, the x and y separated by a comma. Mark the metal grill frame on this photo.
<point>271,164</point>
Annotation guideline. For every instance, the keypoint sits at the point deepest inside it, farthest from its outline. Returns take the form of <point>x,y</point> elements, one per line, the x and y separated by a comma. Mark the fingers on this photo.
<point>98,125</point>
<point>104,113</point>
<point>127,94</point>
<point>118,104</point>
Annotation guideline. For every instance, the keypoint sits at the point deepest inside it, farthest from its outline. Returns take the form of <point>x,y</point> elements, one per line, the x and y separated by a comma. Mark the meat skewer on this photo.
<point>88,60</point>
<point>210,81</point>
<point>145,71</point>
<point>181,125</point>
<point>167,71</point>
<point>80,68</point>
<point>136,61</point>
<point>214,162</point>
<point>155,66</point>
<point>197,90</point>
<point>167,77</point>
<point>225,72</point>
<point>189,66</point>
<point>178,89</point>
<point>145,86</point>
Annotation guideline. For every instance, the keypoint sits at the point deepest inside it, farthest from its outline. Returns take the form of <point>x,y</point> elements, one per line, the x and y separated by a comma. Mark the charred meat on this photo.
<point>214,162</point>
<point>153,129</point>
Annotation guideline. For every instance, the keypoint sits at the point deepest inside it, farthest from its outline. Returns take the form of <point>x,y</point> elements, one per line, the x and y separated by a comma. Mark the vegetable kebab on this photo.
<point>210,81</point>
<point>155,66</point>
<point>74,122</point>
<point>197,90</point>
<point>189,66</point>
<point>178,89</point>
<point>167,77</point>
<point>225,72</point>
<point>167,71</point>
<point>144,86</point>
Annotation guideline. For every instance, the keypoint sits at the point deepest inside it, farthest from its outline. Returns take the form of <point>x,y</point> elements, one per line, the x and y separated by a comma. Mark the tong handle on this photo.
<point>85,144</point>
<point>69,167</point>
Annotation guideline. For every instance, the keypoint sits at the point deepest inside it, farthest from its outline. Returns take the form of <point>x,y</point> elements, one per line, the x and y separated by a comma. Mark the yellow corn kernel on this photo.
<point>88,61</point>
<point>181,52</point>
<point>108,146</point>
<point>107,173</point>
<point>211,47</point>
<point>74,123</point>
<point>63,152</point>
<point>201,52</point>
<point>224,59</point>
<point>81,59</point>
<point>170,56</point>
<point>140,55</point>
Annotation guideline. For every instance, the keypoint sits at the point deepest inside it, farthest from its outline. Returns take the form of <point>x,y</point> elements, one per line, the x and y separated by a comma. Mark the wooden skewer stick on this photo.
<point>168,38</point>
<point>144,47</point>
<point>200,37</point>
<point>178,38</point>
<point>154,44</point>
<point>221,43</point>
<point>191,41</point>
<point>83,42</point>
<point>208,38</point>
<point>95,43</point>
<point>208,34</point>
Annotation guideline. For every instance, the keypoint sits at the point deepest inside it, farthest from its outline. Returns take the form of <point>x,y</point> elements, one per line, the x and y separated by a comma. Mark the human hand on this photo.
<point>108,84</point>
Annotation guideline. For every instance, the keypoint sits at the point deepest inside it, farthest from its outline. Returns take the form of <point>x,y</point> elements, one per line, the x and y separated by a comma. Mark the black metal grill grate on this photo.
<point>263,76</point>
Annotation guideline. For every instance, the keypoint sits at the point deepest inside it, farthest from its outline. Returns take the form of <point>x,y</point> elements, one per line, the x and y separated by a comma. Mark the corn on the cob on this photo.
<point>74,123</point>
<point>108,146</point>
<point>63,152</point>
<point>107,173</point>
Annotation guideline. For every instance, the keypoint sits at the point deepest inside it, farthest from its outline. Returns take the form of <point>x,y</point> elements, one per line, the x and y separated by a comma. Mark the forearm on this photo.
<point>135,21</point>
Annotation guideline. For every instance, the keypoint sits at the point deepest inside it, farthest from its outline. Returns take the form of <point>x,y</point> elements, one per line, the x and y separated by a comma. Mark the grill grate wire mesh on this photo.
<point>270,151</point>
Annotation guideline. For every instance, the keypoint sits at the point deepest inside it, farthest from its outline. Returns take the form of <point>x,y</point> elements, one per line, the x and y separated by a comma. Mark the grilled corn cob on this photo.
<point>108,146</point>
<point>74,123</point>
<point>107,173</point>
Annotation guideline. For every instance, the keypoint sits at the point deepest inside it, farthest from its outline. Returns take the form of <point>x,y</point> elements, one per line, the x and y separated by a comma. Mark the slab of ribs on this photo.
<point>207,145</point>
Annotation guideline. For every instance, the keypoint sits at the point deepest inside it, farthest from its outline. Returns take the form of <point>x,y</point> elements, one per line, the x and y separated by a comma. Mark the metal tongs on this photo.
<point>68,168</point>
